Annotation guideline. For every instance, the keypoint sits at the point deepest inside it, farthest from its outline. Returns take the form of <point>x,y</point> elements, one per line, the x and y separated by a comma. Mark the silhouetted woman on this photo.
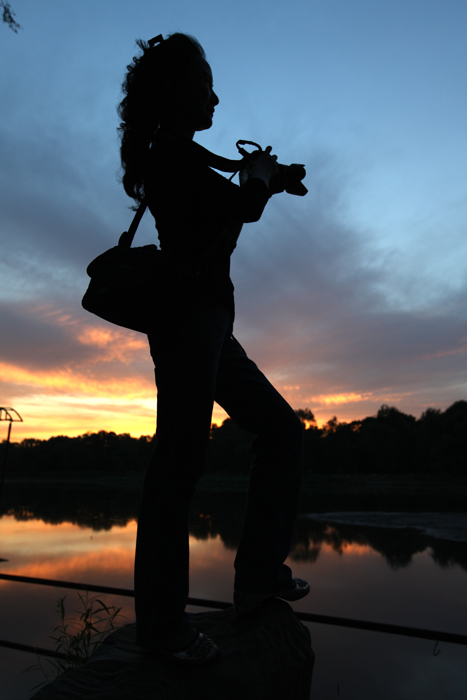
<point>199,214</point>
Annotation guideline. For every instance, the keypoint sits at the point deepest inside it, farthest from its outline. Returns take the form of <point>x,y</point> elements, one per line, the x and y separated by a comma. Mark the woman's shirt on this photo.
<point>199,214</point>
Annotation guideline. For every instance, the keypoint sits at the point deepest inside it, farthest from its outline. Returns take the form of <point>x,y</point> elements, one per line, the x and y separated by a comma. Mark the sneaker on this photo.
<point>202,651</point>
<point>248,602</point>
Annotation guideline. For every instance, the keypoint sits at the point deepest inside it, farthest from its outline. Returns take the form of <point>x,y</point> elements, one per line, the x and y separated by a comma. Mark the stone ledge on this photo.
<point>264,656</point>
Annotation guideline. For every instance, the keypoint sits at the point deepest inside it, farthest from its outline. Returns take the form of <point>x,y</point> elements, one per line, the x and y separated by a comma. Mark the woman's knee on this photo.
<point>289,426</point>
<point>284,436</point>
<point>293,432</point>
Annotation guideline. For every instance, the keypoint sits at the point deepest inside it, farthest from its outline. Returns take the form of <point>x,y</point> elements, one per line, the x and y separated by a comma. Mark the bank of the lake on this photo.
<point>320,492</point>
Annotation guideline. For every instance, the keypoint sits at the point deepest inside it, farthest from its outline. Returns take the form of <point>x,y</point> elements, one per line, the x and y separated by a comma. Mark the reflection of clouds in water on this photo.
<point>62,538</point>
<point>211,570</point>
<point>203,553</point>
<point>358,533</point>
<point>446,526</point>
<point>216,524</point>
<point>68,553</point>
<point>101,507</point>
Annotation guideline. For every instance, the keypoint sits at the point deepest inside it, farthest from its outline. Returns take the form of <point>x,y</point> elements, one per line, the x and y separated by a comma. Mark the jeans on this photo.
<point>198,361</point>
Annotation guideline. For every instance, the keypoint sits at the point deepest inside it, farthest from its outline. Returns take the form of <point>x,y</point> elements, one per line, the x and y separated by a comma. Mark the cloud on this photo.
<point>315,309</point>
<point>339,322</point>
<point>50,349</point>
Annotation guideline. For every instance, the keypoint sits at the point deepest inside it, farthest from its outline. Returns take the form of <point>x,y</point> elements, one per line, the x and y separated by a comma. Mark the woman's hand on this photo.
<point>263,167</point>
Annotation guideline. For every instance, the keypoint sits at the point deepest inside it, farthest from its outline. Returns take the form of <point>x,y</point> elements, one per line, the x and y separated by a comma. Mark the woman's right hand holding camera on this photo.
<point>263,167</point>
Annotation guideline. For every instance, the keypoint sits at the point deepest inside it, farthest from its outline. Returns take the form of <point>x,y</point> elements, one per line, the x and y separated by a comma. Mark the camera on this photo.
<point>288,179</point>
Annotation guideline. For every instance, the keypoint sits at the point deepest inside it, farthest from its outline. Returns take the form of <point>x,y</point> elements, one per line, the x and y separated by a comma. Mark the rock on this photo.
<point>264,656</point>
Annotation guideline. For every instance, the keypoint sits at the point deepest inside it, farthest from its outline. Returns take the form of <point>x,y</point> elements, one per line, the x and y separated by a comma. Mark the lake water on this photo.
<point>396,575</point>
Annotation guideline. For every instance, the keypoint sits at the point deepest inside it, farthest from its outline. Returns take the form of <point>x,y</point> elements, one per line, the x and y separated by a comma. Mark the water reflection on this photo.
<point>220,513</point>
<point>98,506</point>
<point>397,546</point>
<point>89,536</point>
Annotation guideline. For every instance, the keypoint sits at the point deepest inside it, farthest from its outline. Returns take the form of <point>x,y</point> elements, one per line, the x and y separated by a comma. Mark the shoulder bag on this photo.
<point>123,281</point>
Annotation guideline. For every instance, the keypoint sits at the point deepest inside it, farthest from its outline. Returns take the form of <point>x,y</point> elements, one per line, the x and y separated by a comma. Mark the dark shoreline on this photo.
<point>397,516</point>
<point>320,492</point>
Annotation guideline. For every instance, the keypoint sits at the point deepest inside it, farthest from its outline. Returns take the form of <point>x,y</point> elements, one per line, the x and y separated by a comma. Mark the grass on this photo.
<point>78,635</point>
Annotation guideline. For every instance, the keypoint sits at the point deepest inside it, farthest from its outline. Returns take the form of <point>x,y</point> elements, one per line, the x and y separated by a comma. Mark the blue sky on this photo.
<point>348,298</point>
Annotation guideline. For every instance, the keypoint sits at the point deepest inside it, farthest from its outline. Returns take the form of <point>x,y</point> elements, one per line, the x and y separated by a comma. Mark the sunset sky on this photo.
<point>348,298</point>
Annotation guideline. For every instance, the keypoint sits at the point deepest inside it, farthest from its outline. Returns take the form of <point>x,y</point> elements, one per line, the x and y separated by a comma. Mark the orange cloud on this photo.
<point>337,399</point>
<point>462,350</point>
<point>119,346</point>
<point>72,381</point>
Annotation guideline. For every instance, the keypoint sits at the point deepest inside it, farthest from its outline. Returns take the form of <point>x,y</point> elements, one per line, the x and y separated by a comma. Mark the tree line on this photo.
<point>391,442</point>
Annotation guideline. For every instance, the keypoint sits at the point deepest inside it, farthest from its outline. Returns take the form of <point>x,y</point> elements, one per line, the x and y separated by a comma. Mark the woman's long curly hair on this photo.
<point>146,91</point>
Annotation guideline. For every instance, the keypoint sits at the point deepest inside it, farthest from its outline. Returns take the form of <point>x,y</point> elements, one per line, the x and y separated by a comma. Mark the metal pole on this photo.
<point>9,415</point>
<point>7,445</point>
<point>420,633</point>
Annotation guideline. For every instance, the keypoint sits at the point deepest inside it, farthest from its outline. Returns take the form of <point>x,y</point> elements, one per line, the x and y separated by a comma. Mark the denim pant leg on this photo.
<point>186,349</point>
<point>276,471</point>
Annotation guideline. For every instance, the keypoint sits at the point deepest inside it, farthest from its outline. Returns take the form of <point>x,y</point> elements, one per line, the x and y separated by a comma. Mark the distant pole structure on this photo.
<point>12,416</point>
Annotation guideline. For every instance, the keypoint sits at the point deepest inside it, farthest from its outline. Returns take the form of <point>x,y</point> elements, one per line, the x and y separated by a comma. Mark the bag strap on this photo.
<point>126,239</point>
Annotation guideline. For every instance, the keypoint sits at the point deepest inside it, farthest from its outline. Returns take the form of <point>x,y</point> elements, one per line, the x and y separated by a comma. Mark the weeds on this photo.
<point>77,637</point>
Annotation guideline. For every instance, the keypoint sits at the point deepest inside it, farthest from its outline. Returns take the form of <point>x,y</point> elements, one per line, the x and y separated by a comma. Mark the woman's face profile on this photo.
<point>196,98</point>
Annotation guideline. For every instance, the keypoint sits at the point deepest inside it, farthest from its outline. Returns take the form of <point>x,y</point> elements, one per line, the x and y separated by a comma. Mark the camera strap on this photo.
<point>226,165</point>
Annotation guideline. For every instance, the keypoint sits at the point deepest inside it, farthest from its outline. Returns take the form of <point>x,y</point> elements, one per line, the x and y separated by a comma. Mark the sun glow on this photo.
<point>108,384</point>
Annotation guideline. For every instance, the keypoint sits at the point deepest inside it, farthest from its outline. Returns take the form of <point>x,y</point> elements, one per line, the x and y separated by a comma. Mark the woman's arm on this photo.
<point>192,203</point>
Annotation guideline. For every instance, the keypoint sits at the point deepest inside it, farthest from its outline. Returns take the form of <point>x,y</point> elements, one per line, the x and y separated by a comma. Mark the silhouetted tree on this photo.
<point>331,426</point>
<point>229,449</point>
<point>8,15</point>
<point>306,416</point>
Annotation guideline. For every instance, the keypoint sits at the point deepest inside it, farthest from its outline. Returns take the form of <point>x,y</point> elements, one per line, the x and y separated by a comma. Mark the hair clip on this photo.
<point>156,40</point>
